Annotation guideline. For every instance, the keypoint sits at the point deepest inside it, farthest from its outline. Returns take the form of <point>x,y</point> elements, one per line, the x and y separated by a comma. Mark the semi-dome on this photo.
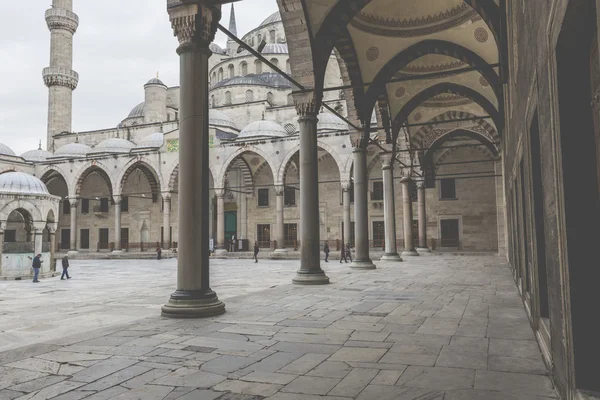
<point>5,150</point>
<point>36,155</point>
<point>113,145</point>
<point>22,183</point>
<point>137,111</point>
<point>73,150</point>
<point>275,17</point>
<point>275,48</point>
<point>215,48</point>
<point>219,118</point>
<point>329,123</point>
<point>154,140</point>
<point>269,79</point>
<point>262,128</point>
<point>155,81</point>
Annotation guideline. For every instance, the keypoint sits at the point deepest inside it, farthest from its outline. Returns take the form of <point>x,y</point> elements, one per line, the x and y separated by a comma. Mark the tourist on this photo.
<point>349,251</point>
<point>158,253</point>
<point>343,254</point>
<point>36,265</point>
<point>255,252</point>
<point>65,267</point>
<point>326,251</point>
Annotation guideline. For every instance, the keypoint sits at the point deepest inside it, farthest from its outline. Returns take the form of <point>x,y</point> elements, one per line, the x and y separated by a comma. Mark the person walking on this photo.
<point>36,265</point>
<point>158,253</point>
<point>326,251</point>
<point>349,251</point>
<point>343,254</point>
<point>65,267</point>
<point>255,252</point>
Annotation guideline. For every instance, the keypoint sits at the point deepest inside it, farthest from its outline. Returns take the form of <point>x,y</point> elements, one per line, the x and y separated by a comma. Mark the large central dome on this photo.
<point>275,17</point>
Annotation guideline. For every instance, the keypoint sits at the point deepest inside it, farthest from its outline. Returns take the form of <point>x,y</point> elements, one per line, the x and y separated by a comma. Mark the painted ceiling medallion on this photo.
<point>400,92</point>
<point>481,35</point>
<point>418,117</point>
<point>372,53</point>
<point>483,82</point>
<point>255,161</point>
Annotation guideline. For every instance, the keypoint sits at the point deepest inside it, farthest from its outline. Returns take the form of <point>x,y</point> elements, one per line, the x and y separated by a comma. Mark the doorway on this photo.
<point>65,239</point>
<point>84,238</point>
<point>450,233</point>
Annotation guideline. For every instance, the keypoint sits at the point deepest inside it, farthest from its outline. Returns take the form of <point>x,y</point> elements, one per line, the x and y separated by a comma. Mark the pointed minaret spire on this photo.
<point>232,22</point>
<point>40,145</point>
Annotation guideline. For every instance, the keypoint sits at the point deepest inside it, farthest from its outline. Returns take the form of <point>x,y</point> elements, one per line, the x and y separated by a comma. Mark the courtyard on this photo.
<point>432,327</point>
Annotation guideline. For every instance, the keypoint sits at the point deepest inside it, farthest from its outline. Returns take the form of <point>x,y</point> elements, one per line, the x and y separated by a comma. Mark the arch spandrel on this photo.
<point>171,184</point>
<point>87,169</point>
<point>148,167</point>
<point>46,176</point>
<point>220,181</point>
<point>280,175</point>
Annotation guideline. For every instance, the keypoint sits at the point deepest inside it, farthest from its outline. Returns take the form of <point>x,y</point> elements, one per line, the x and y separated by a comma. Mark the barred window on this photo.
<point>263,235</point>
<point>228,98</point>
<point>272,35</point>
<point>270,99</point>
<point>448,189</point>
<point>290,234</point>
<point>377,193</point>
<point>249,96</point>
<point>263,197</point>
<point>244,68</point>
<point>258,67</point>
<point>289,196</point>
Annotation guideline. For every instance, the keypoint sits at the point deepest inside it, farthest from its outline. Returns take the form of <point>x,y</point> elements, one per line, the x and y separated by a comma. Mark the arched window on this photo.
<point>290,128</point>
<point>249,96</point>
<point>231,70</point>
<point>212,101</point>
<point>270,99</point>
<point>259,39</point>
<point>290,100</point>
<point>214,78</point>
<point>244,68</point>
<point>272,36</point>
<point>258,66</point>
<point>228,98</point>
<point>275,62</point>
<point>220,74</point>
<point>288,67</point>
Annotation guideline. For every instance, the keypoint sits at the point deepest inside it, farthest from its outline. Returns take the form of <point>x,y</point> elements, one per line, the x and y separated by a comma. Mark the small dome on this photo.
<point>275,17</point>
<point>263,128</point>
<point>73,150</point>
<point>138,111</point>
<point>330,123</point>
<point>5,150</point>
<point>113,145</point>
<point>215,48</point>
<point>22,183</point>
<point>154,140</point>
<point>269,79</point>
<point>155,81</point>
<point>36,155</point>
<point>219,118</point>
<point>275,48</point>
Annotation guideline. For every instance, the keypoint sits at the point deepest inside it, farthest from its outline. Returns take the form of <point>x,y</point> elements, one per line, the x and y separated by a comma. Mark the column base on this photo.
<point>117,251</point>
<point>220,252</point>
<point>311,278</point>
<point>193,304</point>
<point>281,251</point>
<point>362,264</point>
<point>423,250</point>
<point>72,252</point>
<point>409,253</point>
<point>391,257</point>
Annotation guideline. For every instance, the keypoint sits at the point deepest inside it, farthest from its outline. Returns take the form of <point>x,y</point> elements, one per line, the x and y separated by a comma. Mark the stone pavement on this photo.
<point>450,328</point>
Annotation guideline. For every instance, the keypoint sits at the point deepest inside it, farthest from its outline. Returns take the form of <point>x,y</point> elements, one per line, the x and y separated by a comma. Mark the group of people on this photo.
<point>37,265</point>
<point>345,252</point>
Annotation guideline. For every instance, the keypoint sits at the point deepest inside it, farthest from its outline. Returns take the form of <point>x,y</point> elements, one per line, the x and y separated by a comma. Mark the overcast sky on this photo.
<point>119,46</point>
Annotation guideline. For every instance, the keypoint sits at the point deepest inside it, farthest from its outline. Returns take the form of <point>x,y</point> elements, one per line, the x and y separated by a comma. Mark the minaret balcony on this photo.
<point>59,18</point>
<point>57,76</point>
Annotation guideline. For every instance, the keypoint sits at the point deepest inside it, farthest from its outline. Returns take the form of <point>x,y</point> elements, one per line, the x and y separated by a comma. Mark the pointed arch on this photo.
<point>220,181</point>
<point>53,172</point>
<point>86,170</point>
<point>280,176</point>
<point>149,171</point>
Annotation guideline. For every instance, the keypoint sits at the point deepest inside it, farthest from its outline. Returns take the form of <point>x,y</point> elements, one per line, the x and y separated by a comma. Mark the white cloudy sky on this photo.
<point>119,45</point>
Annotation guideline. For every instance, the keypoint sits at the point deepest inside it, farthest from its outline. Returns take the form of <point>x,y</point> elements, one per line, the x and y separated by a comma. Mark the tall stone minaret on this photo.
<point>59,76</point>
<point>231,45</point>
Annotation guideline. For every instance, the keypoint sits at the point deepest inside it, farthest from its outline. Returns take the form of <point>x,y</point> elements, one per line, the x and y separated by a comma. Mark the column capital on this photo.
<point>387,160</point>
<point>346,186</point>
<point>220,193</point>
<point>73,201</point>
<point>421,185</point>
<point>52,227</point>
<point>406,179</point>
<point>194,24</point>
<point>38,227</point>
<point>279,190</point>
<point>167,196</point>
<point>117,199</point>
<point>307,105</point>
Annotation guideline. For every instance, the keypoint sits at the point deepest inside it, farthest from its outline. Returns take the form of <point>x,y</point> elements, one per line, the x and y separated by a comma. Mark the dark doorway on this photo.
<point>378,234</point>
<point>65,239</point>
<point>124,238</point>
<point>84,239</point>
<point>449,233</point>
<point>103,238</point>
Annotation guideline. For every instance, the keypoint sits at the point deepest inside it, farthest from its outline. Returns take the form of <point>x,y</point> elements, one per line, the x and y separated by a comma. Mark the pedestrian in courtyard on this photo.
<point>255,252</point>
<point>343,254</point>
<point>65,267</point>
<point>158,253</point>
<point>36,265</point>
<point>326,251</point>
<point>349,251</point>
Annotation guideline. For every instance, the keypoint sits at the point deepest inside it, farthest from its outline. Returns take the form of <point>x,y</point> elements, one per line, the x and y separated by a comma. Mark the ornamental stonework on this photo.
<point>481,35</point>
<point>372,53</point>
<point>400,92</point>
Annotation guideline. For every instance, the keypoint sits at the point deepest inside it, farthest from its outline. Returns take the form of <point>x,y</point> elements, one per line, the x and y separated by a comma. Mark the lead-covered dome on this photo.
<point>36,155</point>
<point>154,140</point>
<point>219,118</point>
<point>215,48</point>
<point>22,183</point>
<point>113,145</point>
<point>155,81</point>
<point>275,17</point>
<point>73,150</point>
<point>5,150</point>
<point>262,129</point>
<point>137,111</point>
<point>330,123</point>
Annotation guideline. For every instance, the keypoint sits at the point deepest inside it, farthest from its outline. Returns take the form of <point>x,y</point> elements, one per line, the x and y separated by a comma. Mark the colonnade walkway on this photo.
<point>439,327</point>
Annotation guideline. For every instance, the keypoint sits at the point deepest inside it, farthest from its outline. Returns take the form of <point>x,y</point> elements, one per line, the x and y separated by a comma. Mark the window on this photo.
<point>289,196</point>
<point>378,233</point>
<point>125,204</point>
<point>414,193</point>
<point>288,67</point>
<point>290,129</point>
<point>220,76</point>
<point>259,39</point>
<point>448,189</point>
<point>103,235</point>
<point>65,239</point>
<point>10,236</point>
<point>85,206</point>
<point>258,67</point>
<point>272,36</point>
<point>244,68</point>
<point>377,193</point>
<point>228,98</point>
<point>275,62</point>
<point>84,239</point>
<point>66,207</point>
<point>212,101</point>
<point>263,235</point>
<point>249,96</point>
<point>104,204</point>
<point>290,235</point>
<point>263,197</point>
<point>231,70</point>
<point>125,238</point>
<point>270,99</point>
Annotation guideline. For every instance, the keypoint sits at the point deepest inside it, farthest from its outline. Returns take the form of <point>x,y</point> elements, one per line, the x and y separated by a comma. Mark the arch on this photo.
<point>10,169</point>
<point>258,67</point>
<point>174,174</point>
<point>228,98</point>
<point>50,217</point>
<point>220,74</point>
<point>154,178</point>
<point>243,68</point>
<point>231,70</point>
<point>220,182</point>
<point>86,170</point>
<point>27,209</point>
<point>270,99</point>
<point>423,48</point>
<point>446,87</point>
<point>280,176</point>
<point>288,67</point>
<point>244,167</point>
<point>52,172</point>
<point>273,36</point>
<point>275,62</point>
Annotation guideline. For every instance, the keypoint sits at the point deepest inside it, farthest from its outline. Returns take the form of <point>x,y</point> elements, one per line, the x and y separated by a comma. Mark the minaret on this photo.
<point>231,45</point>
<point>59,77</point>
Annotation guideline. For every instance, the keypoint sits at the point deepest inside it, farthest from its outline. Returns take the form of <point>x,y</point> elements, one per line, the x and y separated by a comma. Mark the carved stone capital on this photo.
<point>307,105</point>
<point>279,190</point>
<point>52,227</point>
<point>220,193</point>
<point>421,185</point>
<point>346,186</point>
<point>38,227</point>
<point>117,199</point>
<point>73,202</point>
<point>387,160</point>
<point>194,24</point>
<point>167,196</point>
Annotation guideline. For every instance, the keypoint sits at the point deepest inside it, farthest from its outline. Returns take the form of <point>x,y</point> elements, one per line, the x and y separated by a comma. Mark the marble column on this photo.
<point>409,247</point>
<point>422,210</point>
<point>310,272</point>
<point>244,216</point>
<point>389,208</point>
<point>52,233</point>
<point>2,227</point>
<point>195,26</point>
<point>346,188</point>
<point>279,198</point>
<point>361,211</point>
<point>117,245</point>
<point>38,236</point>
<point>167,220</point>
<point>73,203</point>
<point>220,247</point>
